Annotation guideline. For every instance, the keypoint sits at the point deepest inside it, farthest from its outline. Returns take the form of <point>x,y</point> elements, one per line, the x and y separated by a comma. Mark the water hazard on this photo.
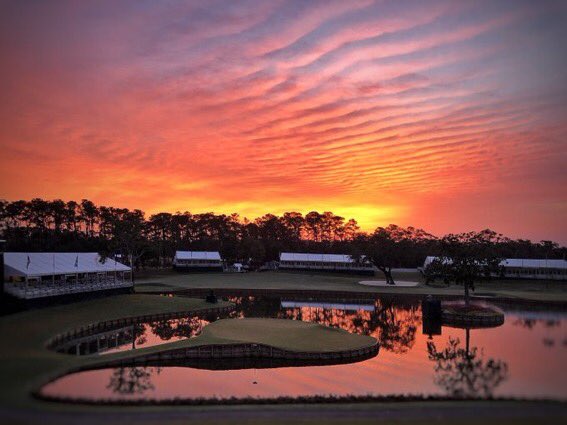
<point>524,357</point>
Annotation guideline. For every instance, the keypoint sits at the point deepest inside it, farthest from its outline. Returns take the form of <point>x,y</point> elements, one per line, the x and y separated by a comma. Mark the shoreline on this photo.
<point>352,295</point>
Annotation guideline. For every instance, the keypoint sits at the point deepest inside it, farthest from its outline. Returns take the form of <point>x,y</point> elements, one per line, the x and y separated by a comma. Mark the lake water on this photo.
<point>525,357</point>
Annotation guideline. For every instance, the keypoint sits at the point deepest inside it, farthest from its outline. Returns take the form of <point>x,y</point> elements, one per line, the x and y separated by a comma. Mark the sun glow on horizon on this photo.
<point>443,115</point>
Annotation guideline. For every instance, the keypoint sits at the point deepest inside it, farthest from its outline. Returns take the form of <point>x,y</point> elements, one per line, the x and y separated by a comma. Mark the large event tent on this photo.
<point>527,268</point>
<point>324,262</point>
<point>197,260</point>
<point>41,274</point>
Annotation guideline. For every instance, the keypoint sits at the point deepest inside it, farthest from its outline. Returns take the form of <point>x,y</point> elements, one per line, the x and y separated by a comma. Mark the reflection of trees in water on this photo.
<point>395,327</point>
<point>394,324</point>
<point>192,326</point>
<point>545,323</point>
<point>531,323</point>
<point>139,332</point>
<point>463,372</point>
<point>185,327</point>
<point>252,306</point>
<point>132,380</point>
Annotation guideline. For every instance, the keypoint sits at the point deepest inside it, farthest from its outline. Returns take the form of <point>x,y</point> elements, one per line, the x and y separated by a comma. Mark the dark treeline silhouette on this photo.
<point>42,225</point>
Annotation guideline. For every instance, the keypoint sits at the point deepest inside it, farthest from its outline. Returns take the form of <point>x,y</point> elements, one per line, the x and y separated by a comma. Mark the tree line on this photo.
<point>56,225</point>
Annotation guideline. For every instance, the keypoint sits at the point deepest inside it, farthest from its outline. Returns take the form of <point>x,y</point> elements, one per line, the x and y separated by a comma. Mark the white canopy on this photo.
<point>523,263</point>
<point>534,264</point>
<point>321,258</point>
<point>197,255</point>
<point>50,263</point>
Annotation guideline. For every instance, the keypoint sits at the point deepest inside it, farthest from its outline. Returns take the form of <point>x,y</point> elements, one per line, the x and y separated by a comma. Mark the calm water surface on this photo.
<point>524,357</point>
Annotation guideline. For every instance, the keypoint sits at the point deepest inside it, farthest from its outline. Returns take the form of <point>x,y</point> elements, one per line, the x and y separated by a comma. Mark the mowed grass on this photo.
<point>164,281</point>
<point>25,362</point>
<point>291,335</point>
<point>171,281</point>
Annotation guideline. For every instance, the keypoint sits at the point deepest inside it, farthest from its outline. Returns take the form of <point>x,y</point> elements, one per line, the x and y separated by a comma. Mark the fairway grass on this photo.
<point>512,290</point>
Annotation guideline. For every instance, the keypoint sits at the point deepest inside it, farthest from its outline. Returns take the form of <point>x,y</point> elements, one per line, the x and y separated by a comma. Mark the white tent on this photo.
<point>324,262</point>
<point>58,263</point>
<point>526,268</point>
<point>197,255</point>
<point>197,260</point>
<point>534,263</point>
<point>323,258</point>
<point>44,274</point>
<point>521,263</point>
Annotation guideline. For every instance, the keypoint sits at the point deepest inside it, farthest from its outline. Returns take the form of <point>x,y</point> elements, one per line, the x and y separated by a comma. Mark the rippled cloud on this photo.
<point>449,115</point>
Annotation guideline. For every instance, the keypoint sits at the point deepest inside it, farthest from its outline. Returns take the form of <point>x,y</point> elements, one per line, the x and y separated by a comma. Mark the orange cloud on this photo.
<point>447,116</point>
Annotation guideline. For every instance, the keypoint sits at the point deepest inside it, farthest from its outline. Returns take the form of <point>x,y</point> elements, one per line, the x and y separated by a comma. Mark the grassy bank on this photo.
<point>393,412</point>
<point>25,362</point>
<point>169,281</point>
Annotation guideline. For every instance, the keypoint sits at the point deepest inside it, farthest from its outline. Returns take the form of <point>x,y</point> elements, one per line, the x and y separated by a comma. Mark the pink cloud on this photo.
<point>258,107</point>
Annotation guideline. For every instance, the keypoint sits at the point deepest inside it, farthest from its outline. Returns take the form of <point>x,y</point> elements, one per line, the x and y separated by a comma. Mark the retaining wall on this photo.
<point>93,328</point>
<point>242,351</point>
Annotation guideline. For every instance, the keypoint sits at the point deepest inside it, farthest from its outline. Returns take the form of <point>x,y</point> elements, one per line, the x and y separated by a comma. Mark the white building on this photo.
<point>197,261</point>
<point>524,268</point>
<point>324,262</point>
<point>535,269</point>
<point>30,275</point>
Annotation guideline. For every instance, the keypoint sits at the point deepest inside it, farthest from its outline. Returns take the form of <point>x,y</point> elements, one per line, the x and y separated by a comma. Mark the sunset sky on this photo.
<point>450,116</point>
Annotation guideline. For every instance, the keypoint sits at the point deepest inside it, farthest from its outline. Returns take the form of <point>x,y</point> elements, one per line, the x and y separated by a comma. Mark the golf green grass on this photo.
<point>290,335</point>
<point>170,281</point>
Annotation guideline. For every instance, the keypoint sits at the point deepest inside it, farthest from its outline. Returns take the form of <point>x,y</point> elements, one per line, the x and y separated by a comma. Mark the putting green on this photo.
<point>291,335</point>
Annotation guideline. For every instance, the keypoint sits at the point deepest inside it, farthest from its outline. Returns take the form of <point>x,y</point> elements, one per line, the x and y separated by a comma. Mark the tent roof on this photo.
<point>197,255</point>
<point>322,258</point>
<point>49,263</point>
<point>522,263</point>
<point>534,263</point>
